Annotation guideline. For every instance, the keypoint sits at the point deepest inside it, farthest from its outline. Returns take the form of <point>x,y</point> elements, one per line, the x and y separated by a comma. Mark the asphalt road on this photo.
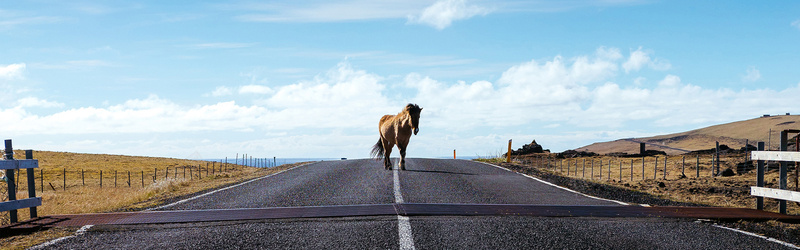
<point>426,181</point>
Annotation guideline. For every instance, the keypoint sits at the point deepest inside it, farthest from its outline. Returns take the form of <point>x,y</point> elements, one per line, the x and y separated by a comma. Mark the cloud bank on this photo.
<point>562,102</point>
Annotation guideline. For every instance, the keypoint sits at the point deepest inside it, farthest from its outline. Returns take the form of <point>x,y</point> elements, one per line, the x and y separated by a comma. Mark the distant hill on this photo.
<point>732,134</point>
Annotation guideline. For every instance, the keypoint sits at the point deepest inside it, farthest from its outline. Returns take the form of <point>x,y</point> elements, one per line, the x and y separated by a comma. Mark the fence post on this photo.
<point>683,167</point>
<point>760,178</point>
<point>129,178</point>
<point>665,166</point>
<point>620,170</point>
<point>697,166</point>
<point>83,180</point>
<point>631,169</point>
<point>101,178</point>
<point>12,188</point>
<point>115,178</point>
<point>655,168</point>
<point>584,168</point>
<point>142,178</point>
<point>31,182</point>
<point>592,172</point>
<point>65,179</point>
<point>783,182</point>
<point>642,167</point>
<point>41,179</point>
<point>601,169</point>
<point>715,169</point>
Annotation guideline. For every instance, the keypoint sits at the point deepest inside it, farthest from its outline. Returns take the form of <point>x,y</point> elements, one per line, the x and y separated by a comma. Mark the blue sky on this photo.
<point>312,78</point>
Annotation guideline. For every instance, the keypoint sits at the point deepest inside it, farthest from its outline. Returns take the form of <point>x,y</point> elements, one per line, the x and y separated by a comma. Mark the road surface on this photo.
<point>365,181</point>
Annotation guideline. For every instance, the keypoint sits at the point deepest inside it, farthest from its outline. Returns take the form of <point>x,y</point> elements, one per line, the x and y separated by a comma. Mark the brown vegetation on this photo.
<point>91,197</point>
<point>733,134</point>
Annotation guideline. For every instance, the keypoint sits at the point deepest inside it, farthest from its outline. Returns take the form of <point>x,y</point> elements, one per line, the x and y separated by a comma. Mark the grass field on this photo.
<point>85,195</point>
<point>680,182</point>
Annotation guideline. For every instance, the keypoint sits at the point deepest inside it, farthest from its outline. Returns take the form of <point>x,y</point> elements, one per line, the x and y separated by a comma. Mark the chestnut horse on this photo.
<point>396,129</point>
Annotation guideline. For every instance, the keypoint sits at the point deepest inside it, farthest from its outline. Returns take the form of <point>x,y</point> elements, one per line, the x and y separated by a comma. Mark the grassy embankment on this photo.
<point>87,196</point>
<point>733,191</point>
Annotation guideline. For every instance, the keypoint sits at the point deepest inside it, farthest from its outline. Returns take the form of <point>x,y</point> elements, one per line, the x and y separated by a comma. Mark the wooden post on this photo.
<point>129,178</point>
<point>601,169</point>
<point>620,170</point>
<point>783,171</point>
<point>115,178</point>
<point>715,169</point>
<point>190,174</point>
<point>508,155</point>
<point>31,182</point>
<point>166,173</point>
<point>642,167</point>
<point>101,178</point>
<point>683,167</point>
<point>631,169</point>
<point>760,178</point>
<point>584,168</point>
<point>697,165</point>
<point>41,179</point>
<point>12,189</point>
<point>665,166</point>
<point>592,172</point>
<point>83,180</point>
<point>65,179</point>
<point>142,178</point>
<point>655,168</point>
<point>213,167</point>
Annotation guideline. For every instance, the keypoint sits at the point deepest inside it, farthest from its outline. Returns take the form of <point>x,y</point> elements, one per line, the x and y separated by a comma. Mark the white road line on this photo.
<point>406,238</point>
<point>212,192</point>
<point>80,231</point>
<point>557,186</point>
<point>758,236</point>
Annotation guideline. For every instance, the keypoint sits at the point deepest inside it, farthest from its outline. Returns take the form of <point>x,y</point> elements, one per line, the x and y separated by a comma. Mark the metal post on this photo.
<point>12,187</point>
<point>31,182</point>
<point>760,178</point>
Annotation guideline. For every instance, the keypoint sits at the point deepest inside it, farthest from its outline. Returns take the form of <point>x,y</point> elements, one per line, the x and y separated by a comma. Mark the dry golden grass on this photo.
<point>718,191</point>
<point>91,198</point>
<point>733,134</point>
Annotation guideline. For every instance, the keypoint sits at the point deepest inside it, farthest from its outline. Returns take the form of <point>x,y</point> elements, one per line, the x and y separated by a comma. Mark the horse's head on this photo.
<point>413,110</point>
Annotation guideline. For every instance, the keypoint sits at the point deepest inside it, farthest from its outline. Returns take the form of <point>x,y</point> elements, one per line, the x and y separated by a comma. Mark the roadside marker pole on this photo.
<point>508,155</point>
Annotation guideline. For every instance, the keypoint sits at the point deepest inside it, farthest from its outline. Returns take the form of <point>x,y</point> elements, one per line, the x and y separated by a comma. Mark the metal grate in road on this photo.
<point>405,209</point>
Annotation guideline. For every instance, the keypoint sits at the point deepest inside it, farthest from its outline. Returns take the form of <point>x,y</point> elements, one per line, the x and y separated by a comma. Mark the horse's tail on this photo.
<point>378,150</point>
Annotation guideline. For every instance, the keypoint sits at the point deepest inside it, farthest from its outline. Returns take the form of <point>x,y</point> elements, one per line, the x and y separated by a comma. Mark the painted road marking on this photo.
<point>406,238</point>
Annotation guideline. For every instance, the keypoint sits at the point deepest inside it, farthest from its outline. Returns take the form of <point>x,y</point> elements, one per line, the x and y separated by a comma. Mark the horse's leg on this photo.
<point>387,162</point>
<point>402,156</point>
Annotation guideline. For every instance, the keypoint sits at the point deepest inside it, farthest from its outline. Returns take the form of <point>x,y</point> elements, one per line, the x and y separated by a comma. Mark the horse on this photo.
<point>396,129</point>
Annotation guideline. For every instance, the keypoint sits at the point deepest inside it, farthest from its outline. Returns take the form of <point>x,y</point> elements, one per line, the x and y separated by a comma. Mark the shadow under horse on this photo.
<point>396,130</point>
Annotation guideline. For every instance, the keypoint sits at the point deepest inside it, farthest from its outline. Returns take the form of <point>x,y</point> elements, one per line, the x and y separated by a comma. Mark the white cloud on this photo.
<point>752,75</point>
<point>323,11</point>
<point>441,14</point>
<point>255,89</point>
<point>796,24</point>
<point>12,71</point>
<point>221,91</point>
<point>36,102</point>
<point>640,58</point>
